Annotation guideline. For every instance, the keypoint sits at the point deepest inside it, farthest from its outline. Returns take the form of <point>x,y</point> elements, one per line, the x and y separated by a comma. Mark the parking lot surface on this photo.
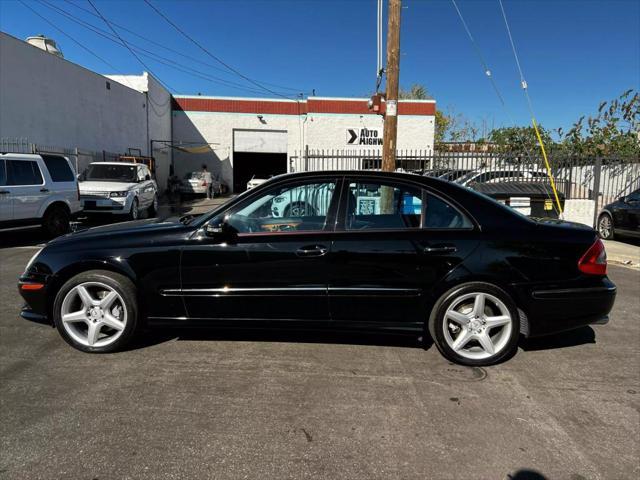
<point>260,404</point>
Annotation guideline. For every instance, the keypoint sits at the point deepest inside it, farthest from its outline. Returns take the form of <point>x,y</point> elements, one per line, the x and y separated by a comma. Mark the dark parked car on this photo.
<point>621,217</point>
<point>392,250</point>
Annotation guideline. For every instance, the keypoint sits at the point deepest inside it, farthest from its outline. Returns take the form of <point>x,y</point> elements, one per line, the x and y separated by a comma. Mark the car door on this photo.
<point>26,187</point>
<point>144,187</point>
<point>6,206</point>
<point>627,214</point>
<point>395,242</point>
<point>251,262</point>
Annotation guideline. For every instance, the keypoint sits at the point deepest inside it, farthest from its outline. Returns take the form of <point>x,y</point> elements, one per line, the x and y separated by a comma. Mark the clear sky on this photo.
<point>574,53</point>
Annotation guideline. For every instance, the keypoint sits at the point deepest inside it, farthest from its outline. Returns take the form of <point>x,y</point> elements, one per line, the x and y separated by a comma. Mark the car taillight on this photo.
<point>594,261</point>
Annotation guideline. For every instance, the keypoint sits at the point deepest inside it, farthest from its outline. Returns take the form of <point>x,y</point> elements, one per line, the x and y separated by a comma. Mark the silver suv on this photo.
<point>38,190</point>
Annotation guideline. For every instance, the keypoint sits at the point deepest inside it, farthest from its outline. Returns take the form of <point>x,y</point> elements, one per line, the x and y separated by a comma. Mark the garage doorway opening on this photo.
<point>247,165</point>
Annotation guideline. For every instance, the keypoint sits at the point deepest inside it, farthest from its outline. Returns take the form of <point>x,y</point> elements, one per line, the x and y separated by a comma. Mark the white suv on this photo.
<point>118,188</point>
<point>38,190</point>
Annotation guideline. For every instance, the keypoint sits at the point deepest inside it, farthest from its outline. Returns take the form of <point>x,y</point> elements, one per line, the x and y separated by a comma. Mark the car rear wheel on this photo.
<point>475,324</point>
<point>605,226</point>
<point>56,221</point>
<point>96,311</point>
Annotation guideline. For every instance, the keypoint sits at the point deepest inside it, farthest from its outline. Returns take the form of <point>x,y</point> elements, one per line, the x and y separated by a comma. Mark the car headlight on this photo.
<point>119,194</point>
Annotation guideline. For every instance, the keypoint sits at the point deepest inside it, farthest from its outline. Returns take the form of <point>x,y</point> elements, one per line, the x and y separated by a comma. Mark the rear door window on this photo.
<point>23,172</point>
<point>59,168</point>
<point>381,206</point>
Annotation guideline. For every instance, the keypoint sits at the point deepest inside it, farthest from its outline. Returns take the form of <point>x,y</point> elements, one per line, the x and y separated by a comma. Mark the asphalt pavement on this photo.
<point>259,404</point>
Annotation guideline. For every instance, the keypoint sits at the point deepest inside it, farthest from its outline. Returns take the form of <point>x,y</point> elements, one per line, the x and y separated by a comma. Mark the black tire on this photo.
<point>55,221</point>
<point>134,212</point>
<point>299,209</point>
<point>608,233</point>
<point>123,286</point>
<point>436,323</point>
<point>152,210</point>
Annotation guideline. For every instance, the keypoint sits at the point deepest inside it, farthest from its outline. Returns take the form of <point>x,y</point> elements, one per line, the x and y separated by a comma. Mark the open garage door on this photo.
<point>259,154</point>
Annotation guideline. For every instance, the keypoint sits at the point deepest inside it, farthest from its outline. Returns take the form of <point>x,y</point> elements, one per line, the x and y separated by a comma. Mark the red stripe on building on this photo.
<point>239,106</point>
<point>196,104</point>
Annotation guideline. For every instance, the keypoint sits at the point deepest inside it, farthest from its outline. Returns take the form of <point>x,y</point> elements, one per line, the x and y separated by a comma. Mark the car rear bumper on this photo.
<point>552,310</point>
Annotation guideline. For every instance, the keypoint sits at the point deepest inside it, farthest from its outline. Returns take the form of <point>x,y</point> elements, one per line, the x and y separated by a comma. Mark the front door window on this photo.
<point>301,207</point>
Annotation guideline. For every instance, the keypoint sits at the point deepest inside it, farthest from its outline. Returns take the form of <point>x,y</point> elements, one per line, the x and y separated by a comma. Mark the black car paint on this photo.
<point>625,215</point>
<point>367,279</point>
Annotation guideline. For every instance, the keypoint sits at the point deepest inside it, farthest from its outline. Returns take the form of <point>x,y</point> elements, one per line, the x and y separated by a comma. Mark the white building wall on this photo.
<point>317,130</point>
<point>51,101</point>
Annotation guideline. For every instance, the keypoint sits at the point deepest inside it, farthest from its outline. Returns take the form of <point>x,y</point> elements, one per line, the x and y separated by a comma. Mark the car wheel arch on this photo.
<point>54,204</point>
<point>70,271</point>
<point>448,284</point>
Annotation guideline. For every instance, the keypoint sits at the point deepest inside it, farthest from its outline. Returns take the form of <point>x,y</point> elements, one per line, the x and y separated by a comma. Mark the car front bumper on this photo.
<point>113,205</point>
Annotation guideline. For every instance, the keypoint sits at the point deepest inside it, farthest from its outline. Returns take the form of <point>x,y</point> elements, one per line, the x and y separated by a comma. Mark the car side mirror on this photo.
<point>222,231</point>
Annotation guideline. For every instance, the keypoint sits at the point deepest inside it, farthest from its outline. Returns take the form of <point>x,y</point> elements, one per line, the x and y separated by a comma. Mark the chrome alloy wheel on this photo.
<point>477,326</point>
<point>604,226</point>
<point>93,314</point>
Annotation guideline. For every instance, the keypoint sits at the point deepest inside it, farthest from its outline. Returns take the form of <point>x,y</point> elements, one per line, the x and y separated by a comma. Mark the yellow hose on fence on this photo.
<point>546,162</point>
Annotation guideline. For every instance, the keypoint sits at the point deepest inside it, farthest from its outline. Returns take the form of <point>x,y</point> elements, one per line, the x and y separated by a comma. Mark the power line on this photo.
<point>148,54</point>
<point>217,59</point>
<point>69,36</point>
<point>523,83</point>
<point>489,75</point>
<point>128,47</point>
<point>176,52</point>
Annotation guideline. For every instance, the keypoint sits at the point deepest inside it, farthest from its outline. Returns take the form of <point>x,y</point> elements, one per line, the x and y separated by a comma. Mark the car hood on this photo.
<point>122,229</point>
<point>103,186</point>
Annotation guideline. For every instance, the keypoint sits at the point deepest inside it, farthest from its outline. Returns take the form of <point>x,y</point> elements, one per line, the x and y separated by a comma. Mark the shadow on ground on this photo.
<point>157,335</point>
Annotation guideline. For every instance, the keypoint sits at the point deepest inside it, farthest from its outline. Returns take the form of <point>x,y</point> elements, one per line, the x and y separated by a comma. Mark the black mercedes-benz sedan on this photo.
<point>621,218</point>
<point>356,250</point>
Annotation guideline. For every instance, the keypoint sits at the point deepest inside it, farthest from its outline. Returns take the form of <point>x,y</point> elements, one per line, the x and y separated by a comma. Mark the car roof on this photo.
<point>128,164</point>
<point>29,156</point>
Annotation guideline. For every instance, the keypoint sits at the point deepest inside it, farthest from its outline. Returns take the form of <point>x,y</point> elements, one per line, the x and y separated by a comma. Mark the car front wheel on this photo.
<point>475,324</point>
<point>605,226</point>
<point>96,311</point>
<point>134,213</point>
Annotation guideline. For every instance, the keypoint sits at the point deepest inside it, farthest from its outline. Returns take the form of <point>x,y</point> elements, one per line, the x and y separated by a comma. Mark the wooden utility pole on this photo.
<point>393,76</point>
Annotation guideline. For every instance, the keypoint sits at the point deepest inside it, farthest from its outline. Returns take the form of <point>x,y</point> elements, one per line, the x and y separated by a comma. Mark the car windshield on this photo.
<point>454,175</point>
<point>111,173</point>
<point>194,176</point>
<point>466,177</point>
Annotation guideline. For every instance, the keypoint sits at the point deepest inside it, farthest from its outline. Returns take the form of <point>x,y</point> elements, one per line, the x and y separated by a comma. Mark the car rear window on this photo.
<point>58,168</point>
<point>23,172</point>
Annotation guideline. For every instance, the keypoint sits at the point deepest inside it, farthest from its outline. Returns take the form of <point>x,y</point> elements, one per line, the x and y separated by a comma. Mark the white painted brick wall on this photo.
<point>318,131</point>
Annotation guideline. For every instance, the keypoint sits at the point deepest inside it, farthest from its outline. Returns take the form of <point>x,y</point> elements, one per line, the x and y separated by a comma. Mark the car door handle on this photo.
<point>440,249</point>
<point>312,251</point>
<point>44,190</point>
<point>4,192</point>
